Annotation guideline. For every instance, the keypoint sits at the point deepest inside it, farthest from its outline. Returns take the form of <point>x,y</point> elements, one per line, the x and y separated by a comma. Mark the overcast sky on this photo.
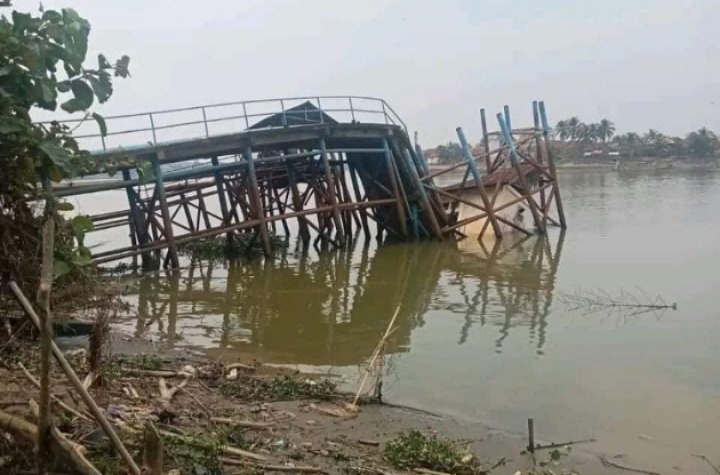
<point>641,63</point>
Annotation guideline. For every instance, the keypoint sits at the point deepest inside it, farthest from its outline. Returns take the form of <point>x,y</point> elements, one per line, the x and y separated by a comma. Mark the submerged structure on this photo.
<point>326,168</point>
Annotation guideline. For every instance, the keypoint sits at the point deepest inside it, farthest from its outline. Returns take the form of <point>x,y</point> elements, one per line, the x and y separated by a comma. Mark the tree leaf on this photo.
<point>83,97</point>
<point>82,222</point>
<point>102,86</point>
<point>121,66</point>
<point>61,268</point>
<point>58,155</point>
<point>101,123</point>
<point>65,206</point>
<point>103,63</point>
<point>63,86</point>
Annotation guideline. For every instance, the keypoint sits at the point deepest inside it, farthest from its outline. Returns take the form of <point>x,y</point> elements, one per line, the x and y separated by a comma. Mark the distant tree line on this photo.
<point>702,143</point>
<point>573,138</point>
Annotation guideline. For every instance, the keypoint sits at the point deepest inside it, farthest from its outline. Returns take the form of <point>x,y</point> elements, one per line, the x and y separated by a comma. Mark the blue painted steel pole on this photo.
<point>551,164</point>
<point>400,209</point>
<point>507,118</point>
<point>467,152</point>
<point>429,212</point>
<point>486,142</point>
<point>522,179</point>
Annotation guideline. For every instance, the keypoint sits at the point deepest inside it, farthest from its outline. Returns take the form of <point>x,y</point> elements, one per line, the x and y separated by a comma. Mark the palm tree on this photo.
<point>574,126</point>
<point>606,130</point>
<point>562,130</point>
<point>703,143</point>
<point>655,141</point>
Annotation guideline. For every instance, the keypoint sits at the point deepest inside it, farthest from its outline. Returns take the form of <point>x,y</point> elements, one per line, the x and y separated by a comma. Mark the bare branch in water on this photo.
<point>626,304</point>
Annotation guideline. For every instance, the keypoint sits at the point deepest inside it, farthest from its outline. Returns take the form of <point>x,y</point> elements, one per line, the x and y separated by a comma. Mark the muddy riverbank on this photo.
<point>280,420</point>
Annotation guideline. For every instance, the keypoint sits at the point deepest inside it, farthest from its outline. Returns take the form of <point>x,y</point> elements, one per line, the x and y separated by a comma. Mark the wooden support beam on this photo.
<point>167,221</point>
<point>298,204</point>
<point>358,198</point>
<point>424,201</point>
<point>478,181</point>
<point>256,202</point>
<point>551,164</point>
<point>222,198</point>
<point>522,179</point>
<point>331,192</point>
<point>399,208</point>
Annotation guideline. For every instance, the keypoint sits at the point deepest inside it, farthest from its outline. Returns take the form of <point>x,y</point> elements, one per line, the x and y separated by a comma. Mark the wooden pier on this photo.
<point>328,169</point>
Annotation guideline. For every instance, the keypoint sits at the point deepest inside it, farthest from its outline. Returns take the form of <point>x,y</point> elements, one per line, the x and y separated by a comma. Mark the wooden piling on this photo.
<point>400,209</point>
<point>551,164</point>
<point>478,183</point>
<point>255,201</point>
<point>331,192</point>
<point>167,221</point>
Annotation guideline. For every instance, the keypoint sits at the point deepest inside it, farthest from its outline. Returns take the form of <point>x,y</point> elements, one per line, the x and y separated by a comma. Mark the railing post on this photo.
<point>322,118</point>
<point>352,111</point>
<point>247,122</point>
<point>384,112</point>
<point>152,127</point>
<point>207,132</point>
<point>284,117</point>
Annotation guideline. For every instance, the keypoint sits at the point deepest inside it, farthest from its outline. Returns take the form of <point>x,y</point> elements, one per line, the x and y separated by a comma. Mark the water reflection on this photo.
<point>330,308</point>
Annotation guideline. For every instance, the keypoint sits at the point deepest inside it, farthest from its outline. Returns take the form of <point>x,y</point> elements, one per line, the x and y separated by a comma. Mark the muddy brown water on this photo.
<point>483,332</point>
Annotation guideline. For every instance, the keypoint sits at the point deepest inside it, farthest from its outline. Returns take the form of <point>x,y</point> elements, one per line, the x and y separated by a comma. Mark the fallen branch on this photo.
<point>242,423</point>
<point>227,450</point>
<point>59,401</point>
<point>378,350</point>
<point>18,426</point>
<point>563,444</point>
<point>609,463</point>
<point>77,384</point>
<point>709,462</point>
<point>153,373</point>
<point>372,443</point>
<point>75,453</point>
<point>271,468</point>
<point>239,366</point>
<point>427,471</point>
<point>198,402</point>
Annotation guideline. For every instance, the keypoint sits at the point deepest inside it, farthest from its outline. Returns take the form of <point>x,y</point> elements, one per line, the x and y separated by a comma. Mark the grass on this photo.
<point>279,388</point>
<point>417,450</point>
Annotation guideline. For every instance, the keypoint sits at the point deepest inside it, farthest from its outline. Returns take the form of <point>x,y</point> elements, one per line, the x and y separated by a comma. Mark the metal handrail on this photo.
<point>384,111</point>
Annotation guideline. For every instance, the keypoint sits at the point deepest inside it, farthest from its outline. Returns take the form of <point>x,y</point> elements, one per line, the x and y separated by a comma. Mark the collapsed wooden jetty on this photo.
<point>324,167</point>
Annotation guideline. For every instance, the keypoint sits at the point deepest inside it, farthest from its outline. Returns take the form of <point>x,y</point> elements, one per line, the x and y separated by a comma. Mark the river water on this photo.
<point>486,333</point>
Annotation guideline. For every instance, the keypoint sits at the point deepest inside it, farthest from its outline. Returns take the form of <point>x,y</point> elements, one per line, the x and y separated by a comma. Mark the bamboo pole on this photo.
<point>77,384</point>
